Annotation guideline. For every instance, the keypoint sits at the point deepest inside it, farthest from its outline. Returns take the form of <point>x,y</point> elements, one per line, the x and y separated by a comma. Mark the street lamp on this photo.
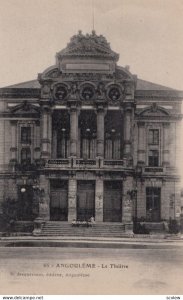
<point>23,190</point>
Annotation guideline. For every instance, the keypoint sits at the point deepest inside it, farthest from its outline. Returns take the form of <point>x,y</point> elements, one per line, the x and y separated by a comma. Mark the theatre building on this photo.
<point>90,139</point>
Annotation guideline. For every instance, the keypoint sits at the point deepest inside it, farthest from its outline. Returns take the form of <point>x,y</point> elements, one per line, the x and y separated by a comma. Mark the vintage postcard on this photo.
<point>91,188</point>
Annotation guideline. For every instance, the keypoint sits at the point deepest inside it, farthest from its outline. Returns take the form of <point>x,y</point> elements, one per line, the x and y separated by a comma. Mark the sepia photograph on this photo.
<point>91,148</point>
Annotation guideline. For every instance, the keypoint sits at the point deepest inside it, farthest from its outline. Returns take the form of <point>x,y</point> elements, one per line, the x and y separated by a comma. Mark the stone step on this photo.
<point>155,227</point>
<point>97,230</point>
<point>76,228</point>
<point>81,234</point>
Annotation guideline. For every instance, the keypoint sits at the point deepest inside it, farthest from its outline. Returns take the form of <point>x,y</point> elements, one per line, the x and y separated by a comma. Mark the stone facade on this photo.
<point>88,138</point>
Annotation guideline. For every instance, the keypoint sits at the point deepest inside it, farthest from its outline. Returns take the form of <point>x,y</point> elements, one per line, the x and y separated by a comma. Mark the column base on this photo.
<point>38,225</point>
<point>129,229</point>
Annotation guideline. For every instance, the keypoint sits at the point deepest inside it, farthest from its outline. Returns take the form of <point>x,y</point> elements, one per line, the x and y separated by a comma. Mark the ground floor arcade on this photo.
<point>81,195</point>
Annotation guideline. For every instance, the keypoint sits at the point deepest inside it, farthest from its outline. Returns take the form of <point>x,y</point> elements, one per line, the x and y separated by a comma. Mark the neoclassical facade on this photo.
<point>88,138</point>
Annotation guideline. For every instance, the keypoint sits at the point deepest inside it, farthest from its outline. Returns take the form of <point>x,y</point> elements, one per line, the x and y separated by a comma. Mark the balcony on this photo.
<point>113,164</point>
<point>58,163</point>
<point>86,164</point>
<point>153,170</point>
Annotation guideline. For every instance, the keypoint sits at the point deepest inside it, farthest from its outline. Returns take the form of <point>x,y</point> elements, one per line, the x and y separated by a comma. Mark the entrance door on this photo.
<point>112,201</point>
<point>153,204</point>
<point>59,200</point>
<point>25,203</point>
<point>85,200</point>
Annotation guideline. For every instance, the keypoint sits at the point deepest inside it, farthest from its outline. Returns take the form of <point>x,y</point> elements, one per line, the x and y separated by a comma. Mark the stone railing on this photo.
<point>85,163</point>
<point>153,169</point>
<point>58,163</point>
<point>113,164</point>
<point>79,163</point>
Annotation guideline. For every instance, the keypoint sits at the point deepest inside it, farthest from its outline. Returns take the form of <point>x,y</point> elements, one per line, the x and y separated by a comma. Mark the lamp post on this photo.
<point>22,208</point>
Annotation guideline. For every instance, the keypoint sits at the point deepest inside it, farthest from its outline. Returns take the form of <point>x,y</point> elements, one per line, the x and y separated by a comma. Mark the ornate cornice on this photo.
<point>25,108</point>
<point>20,93</point>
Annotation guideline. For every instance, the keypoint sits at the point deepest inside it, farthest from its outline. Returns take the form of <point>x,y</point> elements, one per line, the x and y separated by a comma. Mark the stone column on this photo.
<point>141,143</point>
<point>46,130</point>
<point>100,131</point>
<point>166,128</point>
<point>54,144</point>
<point>127,130</point>
<point>72,199</point>
<point>127,208</point>
<point>13,141</point>
<point>177,187</point>
<point>99,195</point>
<point>73,130</point>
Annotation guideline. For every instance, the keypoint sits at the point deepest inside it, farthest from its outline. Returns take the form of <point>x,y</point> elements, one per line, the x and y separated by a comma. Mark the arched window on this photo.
<point>26,135</point>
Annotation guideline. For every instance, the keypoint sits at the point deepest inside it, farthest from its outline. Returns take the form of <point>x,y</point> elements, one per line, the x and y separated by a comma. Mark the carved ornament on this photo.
<point>60,92</point>
<point>88,45</point>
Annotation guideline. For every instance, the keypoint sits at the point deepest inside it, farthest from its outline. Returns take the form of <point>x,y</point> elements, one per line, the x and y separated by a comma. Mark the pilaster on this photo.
<point>127,129</point>
<point>72,199</point>
<point>100,130</point>
<point>46,131</point>
<point>37,141</point>
<point>99,195</point>
<point>74,113</point>
<point>127,202</point>
<point>13,141</point>
<point>44,199</point>
<point>141,143</point>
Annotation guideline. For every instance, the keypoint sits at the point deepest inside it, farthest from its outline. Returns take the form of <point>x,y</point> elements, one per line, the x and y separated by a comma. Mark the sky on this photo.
<point>148,35</point>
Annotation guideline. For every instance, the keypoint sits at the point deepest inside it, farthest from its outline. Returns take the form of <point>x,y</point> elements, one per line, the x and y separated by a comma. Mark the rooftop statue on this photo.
<point>81,38</point>
<point>88,45</point>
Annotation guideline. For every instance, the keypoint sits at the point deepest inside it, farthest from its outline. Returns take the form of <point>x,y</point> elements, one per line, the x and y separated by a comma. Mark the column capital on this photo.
<point>101,109</point>
<point>13,122</point>
<point>140,123</point>
<point>46,108</point>
<point>37,122</point>
<point>100,104</point>
<point>128,106</point>
<point>73,104</point>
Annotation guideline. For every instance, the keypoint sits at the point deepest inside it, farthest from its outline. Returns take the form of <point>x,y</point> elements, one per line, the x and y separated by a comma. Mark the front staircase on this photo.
<point>155,227</point>
<point>65,229</point>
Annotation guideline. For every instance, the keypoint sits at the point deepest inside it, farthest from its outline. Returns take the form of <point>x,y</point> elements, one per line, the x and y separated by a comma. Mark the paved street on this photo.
<point>91,270</point>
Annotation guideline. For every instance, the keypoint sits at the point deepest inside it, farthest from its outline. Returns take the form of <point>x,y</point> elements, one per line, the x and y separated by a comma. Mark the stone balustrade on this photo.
<point>79,163</point>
